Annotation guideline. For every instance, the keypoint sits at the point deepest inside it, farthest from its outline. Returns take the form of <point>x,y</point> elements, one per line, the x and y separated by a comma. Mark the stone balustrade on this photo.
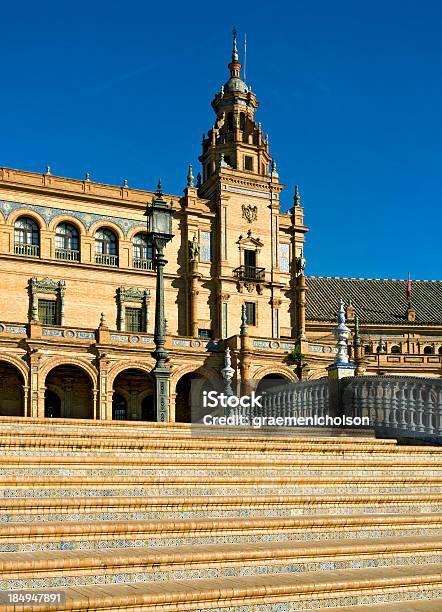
<point>398,406</point>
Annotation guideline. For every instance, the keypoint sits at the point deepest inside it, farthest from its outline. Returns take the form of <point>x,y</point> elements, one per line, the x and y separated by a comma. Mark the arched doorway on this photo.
<point>132,388</point>
<point>11,390</point>
<point>188,398</point>
<point>119,408</point>
<point>73,388</point>
<point>52,405</point>
<point>148,408</point>
<point>183,413</point>
<point>268,381</point>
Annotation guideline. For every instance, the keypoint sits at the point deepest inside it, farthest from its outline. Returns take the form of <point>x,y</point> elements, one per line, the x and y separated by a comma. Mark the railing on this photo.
<point>143,264</point>
<point>67,254</point>
<point>104,259</point>
<point>28,250</point>
<point>397,406</point>
<point>298,400</point>
<point>249,273</point>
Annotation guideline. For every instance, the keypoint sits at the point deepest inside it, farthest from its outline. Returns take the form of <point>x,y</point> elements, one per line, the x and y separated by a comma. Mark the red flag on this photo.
<point>408,289</point>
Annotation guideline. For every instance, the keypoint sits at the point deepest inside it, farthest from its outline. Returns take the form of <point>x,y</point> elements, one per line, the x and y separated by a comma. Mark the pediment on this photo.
<point>249,241</point>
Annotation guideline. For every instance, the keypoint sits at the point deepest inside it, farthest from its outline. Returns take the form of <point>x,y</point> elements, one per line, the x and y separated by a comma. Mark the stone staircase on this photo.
<point>151,517</point>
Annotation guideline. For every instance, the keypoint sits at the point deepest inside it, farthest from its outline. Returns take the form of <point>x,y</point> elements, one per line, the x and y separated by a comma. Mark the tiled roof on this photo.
<point>375,300</point>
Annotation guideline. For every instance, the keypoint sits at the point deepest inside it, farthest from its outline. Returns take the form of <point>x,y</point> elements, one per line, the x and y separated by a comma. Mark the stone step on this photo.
<point>168,507</point>
<point>69,568</point>
<point>55,440</point>
<point>15,536</point>
<point>320,589</point>
<point>154,462</point>
<point>183,429</point>
<point>95,486</point>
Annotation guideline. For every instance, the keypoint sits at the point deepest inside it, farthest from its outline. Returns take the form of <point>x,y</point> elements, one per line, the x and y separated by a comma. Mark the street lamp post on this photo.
<point>159,232</point>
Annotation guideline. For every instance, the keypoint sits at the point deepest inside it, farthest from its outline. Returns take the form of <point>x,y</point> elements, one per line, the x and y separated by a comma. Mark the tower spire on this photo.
<point>235,66</point>
<point>234,50</point>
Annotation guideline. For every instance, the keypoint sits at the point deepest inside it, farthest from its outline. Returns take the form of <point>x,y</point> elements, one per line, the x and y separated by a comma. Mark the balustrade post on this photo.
<point>439,413</point>
<point>411,402</point>
<point>420,409</point>
<point>431,410</point>
<point>394,405</point>
<point>386,402</point>
<point>402,407</point>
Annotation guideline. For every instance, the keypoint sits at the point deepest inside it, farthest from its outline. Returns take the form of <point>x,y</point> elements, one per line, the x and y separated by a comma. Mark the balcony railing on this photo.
<point>143,264</point>
<point>29,250</point>
<point>67,254</point>
<point>103,259</point>
<point>249,273</point>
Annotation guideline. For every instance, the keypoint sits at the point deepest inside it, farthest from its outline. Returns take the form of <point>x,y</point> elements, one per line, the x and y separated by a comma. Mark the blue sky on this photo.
<point>350,93</point>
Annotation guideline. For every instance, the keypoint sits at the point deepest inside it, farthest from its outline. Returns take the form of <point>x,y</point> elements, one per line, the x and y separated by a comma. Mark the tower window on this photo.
<point>251,313</point>
<point>242,121</point>
<point>248,162</point>
<point>230,121</point>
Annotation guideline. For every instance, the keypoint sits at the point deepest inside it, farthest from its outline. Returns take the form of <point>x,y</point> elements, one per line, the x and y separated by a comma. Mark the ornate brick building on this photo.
<point>78,280</point>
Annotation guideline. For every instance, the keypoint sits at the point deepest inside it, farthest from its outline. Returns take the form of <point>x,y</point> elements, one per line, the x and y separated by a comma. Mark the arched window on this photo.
<point>428,350</point>
<point>142,252</point>
<point>66,242</point>
<point>106,247</point>
<point>440,350</point>
<point>395,349</point>
<point>26,237</point>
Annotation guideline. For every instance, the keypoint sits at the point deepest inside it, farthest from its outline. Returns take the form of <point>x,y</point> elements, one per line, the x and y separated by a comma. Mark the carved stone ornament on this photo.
<point>47,285</point>
<point>132,294</point>
<point>249,213</point>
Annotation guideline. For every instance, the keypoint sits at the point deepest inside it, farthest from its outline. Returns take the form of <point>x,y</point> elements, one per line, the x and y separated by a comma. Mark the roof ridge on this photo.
<point>362,278</point>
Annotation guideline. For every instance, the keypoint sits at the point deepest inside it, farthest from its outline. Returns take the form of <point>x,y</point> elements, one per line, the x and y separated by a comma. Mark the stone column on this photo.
<point>301,290</point>
<point>193,298</point>
<point>61,290</point>
<point>245,358</point>
<point>36,387</point>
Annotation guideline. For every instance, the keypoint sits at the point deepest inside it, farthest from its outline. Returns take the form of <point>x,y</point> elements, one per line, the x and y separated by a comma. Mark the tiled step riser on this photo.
<point>128,574</point>
<point>32,544</point>
<point>314,605</point>
<point>208,473</point>
<point>227,489</point>
<point>224,490</point>
<point>302,510</point>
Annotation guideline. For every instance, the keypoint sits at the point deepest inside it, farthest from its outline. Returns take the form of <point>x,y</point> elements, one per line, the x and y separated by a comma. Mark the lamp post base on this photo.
<point>161,377</point>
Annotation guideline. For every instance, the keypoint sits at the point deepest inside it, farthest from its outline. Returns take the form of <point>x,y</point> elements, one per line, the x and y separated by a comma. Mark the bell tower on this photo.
<point>253,243</point>
<point>236,140</point>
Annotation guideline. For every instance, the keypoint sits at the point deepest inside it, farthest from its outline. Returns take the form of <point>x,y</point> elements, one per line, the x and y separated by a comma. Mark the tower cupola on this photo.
<point>236,141</point>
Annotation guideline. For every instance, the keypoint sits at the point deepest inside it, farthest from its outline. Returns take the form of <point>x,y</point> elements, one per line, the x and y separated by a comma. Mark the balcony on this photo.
<point>103,259</point>
<point>249,274</point>
<point>143,264</point>
<point>28,250</point>
<point>67,254</point>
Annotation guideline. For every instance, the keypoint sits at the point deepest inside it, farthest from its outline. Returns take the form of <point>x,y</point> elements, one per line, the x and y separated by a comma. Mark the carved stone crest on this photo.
<point>249,212</point>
